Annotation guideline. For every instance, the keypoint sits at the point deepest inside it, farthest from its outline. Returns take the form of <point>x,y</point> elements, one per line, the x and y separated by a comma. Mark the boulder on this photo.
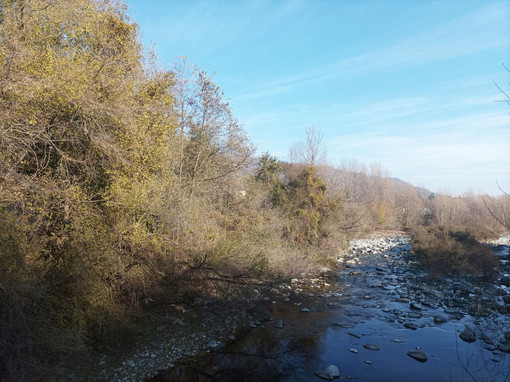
<point>468,335</point>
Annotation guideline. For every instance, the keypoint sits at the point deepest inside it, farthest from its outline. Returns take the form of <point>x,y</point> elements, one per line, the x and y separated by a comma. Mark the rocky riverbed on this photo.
<point>377,316</point>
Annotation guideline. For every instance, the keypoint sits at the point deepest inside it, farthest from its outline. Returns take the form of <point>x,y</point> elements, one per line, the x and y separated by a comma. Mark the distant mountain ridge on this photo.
<point>425,193</point>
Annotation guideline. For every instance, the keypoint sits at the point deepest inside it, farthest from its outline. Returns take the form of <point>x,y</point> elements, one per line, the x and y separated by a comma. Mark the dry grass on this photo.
<point>445,251</point>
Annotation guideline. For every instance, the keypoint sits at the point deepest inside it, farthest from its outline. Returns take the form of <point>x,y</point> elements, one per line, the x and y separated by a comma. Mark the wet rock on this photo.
<point>333,371</point>
<point>414,315</point>
<point>484,337</point>
<point>403,299</point>
<point>368,362</point>
<point>278,324</point>
<point>304,310</point>
<point>416,306</point>
<point>329,374</point>
<point>418,355</point>
<point>397,341</point>
<point>212,344</point>
<point>431,304</point>
<point>352,350</point>
<point>354,335</point>
<point>505,281</point>
<point>371,347</point>
<point>438,319</point>
<point>505,347</point>
<point>468,335</point>
<point>410,325</point>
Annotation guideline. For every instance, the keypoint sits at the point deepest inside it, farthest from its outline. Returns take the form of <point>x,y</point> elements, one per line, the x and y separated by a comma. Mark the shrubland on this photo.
<point>124,185</point>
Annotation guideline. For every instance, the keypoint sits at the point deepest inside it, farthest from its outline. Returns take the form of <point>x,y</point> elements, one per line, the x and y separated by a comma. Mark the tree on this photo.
<point>501,212</point>
<point>311,151</point>
<point>212,143</point>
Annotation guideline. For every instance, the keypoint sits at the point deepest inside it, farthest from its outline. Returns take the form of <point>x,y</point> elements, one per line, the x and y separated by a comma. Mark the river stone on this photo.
<point>438,319</point>
<point>462,287</point>
<point>333,371</point>
<point>416,306</point>
<point>278,324</point>
<point>329,374</point>
<point>417,355</point>
<point>212,344</point>
<point>304,310</point>
<point>410,325</point>
<point>468,335</point>
<point>371,347</point>
<point>352,350</point>
<point>414,315</point>
<point>504,347</point>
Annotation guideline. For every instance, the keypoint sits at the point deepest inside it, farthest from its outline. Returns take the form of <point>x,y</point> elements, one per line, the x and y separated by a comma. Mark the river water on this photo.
<point>368,303</point>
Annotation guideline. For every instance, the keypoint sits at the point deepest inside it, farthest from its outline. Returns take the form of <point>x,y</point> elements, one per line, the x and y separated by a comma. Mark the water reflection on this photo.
<point>339,324</point>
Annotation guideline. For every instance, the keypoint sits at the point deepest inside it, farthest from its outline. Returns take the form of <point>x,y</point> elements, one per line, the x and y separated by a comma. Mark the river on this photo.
<point>366,318</point>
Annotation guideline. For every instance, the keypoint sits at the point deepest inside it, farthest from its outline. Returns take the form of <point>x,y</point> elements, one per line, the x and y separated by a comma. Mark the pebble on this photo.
<point>304,310</point>
<point>371,347</point>
<point>352,350</point>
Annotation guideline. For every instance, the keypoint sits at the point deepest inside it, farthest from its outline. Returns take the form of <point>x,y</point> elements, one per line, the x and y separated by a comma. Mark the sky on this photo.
<point>411,85</point>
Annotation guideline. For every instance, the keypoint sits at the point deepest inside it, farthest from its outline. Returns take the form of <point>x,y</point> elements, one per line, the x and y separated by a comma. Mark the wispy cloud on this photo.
<point>477,31</point>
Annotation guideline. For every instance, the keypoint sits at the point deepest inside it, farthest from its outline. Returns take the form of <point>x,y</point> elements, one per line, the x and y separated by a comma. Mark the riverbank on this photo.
<point>376,292</point>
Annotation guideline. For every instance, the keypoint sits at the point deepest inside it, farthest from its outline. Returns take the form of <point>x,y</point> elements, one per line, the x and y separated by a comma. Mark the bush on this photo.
<point>444,250</point>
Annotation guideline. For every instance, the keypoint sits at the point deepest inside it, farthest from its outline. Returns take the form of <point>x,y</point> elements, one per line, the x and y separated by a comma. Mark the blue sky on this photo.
<point>408,84</point>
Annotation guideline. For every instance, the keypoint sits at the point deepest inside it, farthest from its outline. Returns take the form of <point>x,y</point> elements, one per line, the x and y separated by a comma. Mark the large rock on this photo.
<point>468,335</point>
<point>329,374</point>
<point>418,355</point>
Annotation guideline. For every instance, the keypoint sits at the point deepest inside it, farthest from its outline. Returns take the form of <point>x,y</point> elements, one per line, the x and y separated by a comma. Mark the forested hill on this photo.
<point>124,184</point>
